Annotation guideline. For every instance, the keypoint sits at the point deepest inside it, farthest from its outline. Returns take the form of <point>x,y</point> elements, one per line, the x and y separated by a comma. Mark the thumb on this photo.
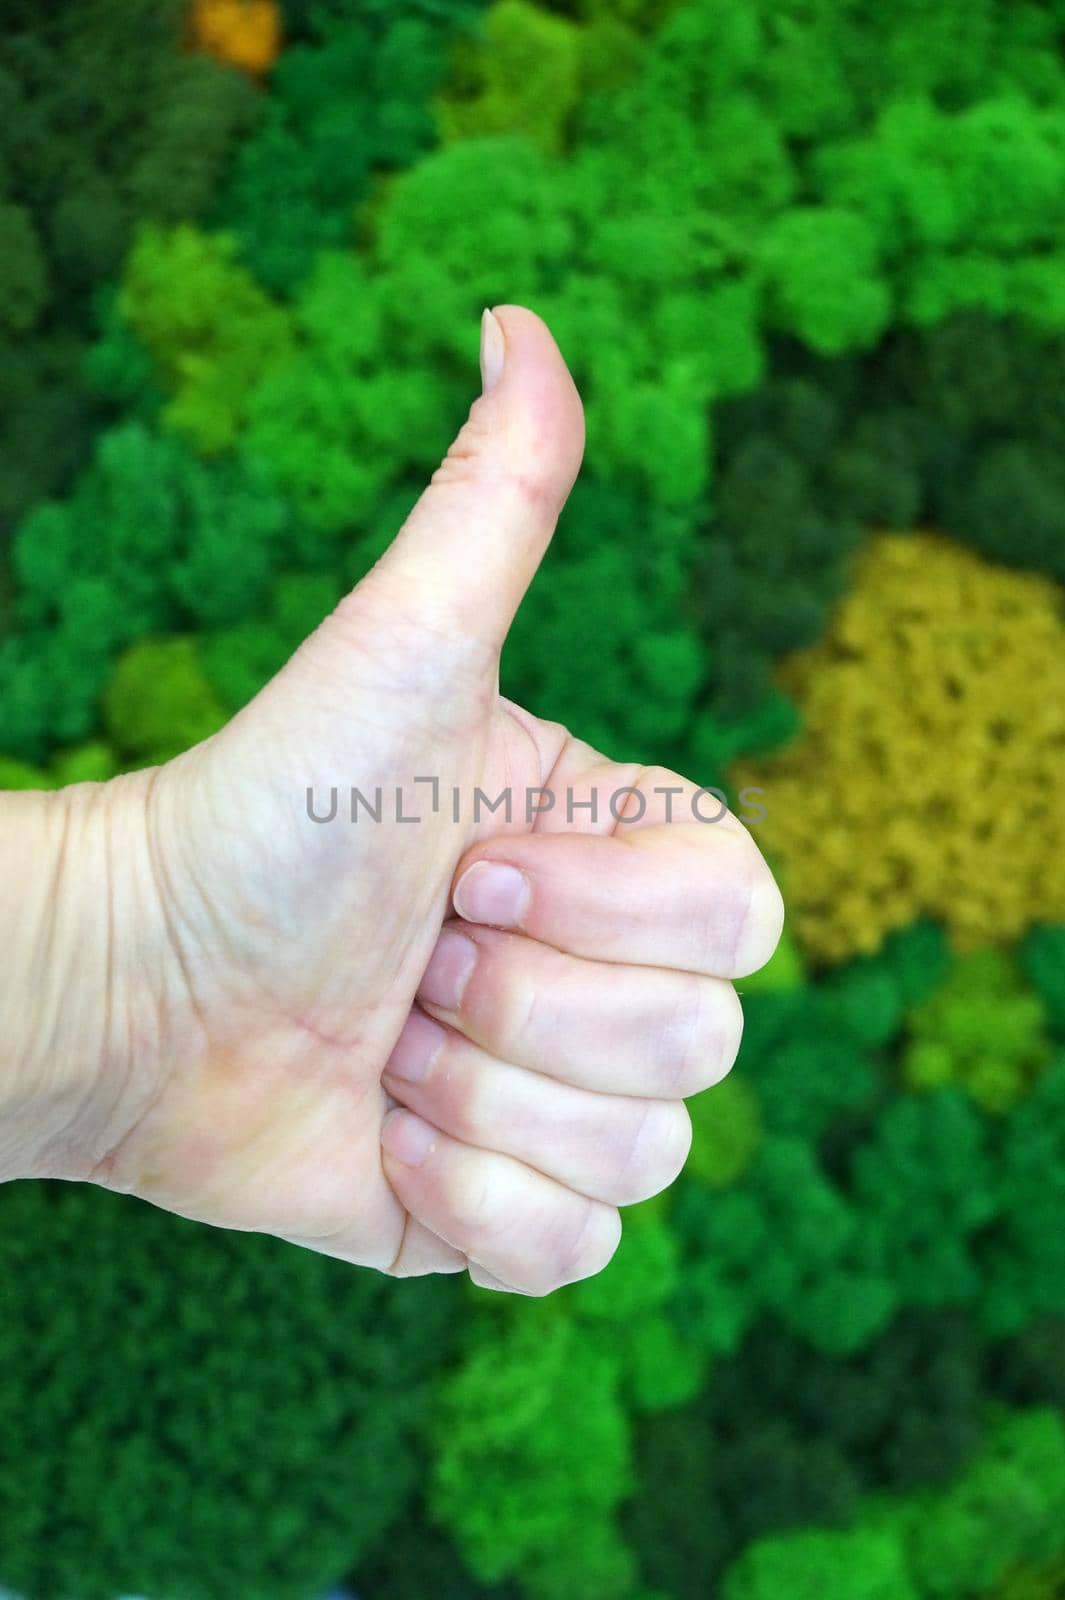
<point>469,549</point>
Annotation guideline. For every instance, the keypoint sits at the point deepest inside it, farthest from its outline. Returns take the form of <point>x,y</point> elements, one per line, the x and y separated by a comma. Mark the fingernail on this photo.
<point>492,892</point>
<point>493,350</point>
<point>416,1049</point>
<point>448,971</point>
<point>407,1137</point>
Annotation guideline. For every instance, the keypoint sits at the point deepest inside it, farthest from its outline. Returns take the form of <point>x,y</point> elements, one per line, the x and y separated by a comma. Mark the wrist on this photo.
<point>70,862</point>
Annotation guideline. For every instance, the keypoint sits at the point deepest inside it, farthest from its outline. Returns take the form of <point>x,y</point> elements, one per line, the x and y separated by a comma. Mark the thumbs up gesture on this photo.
<point>397,970</point>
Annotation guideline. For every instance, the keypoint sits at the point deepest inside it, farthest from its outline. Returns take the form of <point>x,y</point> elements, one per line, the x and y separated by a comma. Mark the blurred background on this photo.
<point>806,259</point>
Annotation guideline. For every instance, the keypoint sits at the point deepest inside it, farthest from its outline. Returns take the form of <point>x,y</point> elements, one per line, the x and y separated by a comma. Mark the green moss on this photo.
<point>231,1411</point>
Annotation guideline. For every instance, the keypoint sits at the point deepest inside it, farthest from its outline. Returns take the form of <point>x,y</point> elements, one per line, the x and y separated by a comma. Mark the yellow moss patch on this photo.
<point>246,33</point>
<point>930,774</point>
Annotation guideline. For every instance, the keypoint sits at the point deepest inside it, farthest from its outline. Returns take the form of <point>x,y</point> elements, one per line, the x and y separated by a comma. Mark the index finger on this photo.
<point>691,896</point>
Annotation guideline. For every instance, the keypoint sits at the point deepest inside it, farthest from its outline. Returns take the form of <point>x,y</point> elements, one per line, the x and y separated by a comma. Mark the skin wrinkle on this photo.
<point>639,777</point>
<point>60,874</point>
<point>682,1057</point>
<point>272,1109</point>
<point>466,652</point>
<point>407,1219</point>
<point>128,1056</point>
<point>487,1280</point>
<point>164,894</point>
<point>740,921</point>
<point>109,929</point>
<point>105,1085</point>
<point>468,1111</point>
<point>319,1036</point>
<point>572,1257</point>
<point>103,1171</point>
<point>189,865</point>
<point>532,1007</point>
<point>452,1244</point>
<point>46,926</point>
<point>624,1188</point>
<point>511,769</point>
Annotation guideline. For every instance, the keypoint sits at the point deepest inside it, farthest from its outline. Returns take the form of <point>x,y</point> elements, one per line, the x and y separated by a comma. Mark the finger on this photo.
<point>526,1230</point>
<point>614,1029</point>
<point>466,554</point>
<point>422,1252</point>
<point>694,897</point>
<point>616,1148</point>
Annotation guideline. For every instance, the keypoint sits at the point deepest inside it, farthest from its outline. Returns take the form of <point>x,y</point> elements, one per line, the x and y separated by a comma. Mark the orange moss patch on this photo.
<point>246,33</point>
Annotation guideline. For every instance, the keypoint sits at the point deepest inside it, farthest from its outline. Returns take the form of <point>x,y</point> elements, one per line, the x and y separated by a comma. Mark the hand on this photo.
<point>417,1046</point>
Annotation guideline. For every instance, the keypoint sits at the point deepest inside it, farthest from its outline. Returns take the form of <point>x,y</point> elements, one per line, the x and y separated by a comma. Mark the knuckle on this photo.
<point>752,911</point>
<point>583,1245</point>
<point>471,1098</point>
<point>476,460</point>
<point>578,1242</point>
<point>729,1032</point>
<point>762,921</point>
<point>627,1178</point>
<point>470,1203</point>
<point>714,1041</point>
<point>488,1280</point>
<point>539,1286</point>
<point>518,1019</point>
<point>686,1042</point>
<point>657,1141</point>
<point>681,1144</point>
<point>671,1148</point>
